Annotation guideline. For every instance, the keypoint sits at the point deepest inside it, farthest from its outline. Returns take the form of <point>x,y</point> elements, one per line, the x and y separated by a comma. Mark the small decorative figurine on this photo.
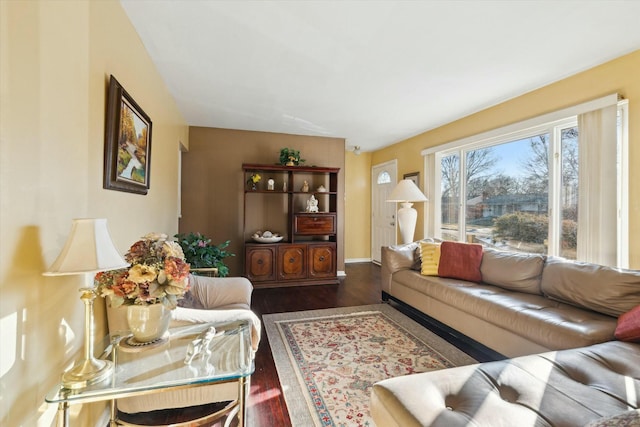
<point>321,189</point>
<point>312,204</point>
<point>284,186</point>
<point>199,347</point>
<point>270,183</point>
<point>305,187</point>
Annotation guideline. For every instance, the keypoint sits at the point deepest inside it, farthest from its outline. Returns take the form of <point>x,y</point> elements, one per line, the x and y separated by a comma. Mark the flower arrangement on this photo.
<point>253,180</point>
<point>201,253</point>
<point>158,274</point>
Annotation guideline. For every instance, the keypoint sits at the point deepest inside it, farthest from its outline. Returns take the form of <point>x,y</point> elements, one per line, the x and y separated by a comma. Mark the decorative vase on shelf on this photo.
<point>253,181</point>
<point>148,322</point>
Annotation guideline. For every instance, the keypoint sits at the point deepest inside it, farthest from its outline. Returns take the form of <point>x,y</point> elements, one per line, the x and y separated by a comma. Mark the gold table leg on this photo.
<point>242,401</point>
<point>62,419</point>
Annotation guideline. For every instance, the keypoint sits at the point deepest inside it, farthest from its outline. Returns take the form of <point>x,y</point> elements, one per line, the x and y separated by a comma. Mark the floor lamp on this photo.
<point>406,193</point>
<point>88,250</point>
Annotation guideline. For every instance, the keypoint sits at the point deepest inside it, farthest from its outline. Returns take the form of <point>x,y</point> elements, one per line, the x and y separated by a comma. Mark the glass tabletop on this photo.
<point>162,364</point>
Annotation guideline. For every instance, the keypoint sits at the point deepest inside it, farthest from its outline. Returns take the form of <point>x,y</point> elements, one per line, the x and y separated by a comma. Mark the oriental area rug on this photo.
<point>328,360</point>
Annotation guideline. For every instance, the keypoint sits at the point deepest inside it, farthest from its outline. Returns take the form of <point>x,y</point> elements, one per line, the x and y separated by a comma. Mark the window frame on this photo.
<point>555,121</point>
<point>553,129</point>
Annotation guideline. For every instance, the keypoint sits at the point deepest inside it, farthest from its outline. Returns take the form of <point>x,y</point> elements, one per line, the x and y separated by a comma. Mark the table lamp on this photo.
<point>88,250</point>
<point>406,192</point>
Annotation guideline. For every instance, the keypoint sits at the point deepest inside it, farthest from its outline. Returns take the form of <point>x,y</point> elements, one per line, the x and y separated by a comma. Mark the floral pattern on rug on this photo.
<point>339,358</point>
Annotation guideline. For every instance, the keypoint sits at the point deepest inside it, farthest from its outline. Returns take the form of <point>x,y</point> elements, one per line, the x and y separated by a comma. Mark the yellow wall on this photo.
<point>358,207</point>
<point>55,65</point>
<point>619,75</point>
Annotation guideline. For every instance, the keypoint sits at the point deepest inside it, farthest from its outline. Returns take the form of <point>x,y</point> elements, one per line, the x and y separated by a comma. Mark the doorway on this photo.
<point>383,213</point>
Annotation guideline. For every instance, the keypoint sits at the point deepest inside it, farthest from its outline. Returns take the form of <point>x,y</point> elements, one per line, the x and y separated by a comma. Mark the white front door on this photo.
<point>383,221</point>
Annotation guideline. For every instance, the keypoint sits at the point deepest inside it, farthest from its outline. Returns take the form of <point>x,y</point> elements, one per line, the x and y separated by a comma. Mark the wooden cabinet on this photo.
<point>260,262</point>
<point>307,252</point>
<point>292,262</point>
<point>322,260</point>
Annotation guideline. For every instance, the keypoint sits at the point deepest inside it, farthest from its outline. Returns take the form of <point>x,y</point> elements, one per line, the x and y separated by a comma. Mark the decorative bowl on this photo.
<point>266,237</point>
<point>273,239</point>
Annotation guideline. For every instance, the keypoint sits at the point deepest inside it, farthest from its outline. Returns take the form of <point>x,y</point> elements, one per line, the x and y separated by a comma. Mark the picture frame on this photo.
<point>413,176</point>
<point>127,144</point>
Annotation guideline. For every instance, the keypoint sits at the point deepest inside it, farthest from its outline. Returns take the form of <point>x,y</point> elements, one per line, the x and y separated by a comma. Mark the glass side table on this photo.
<point>160,366</point>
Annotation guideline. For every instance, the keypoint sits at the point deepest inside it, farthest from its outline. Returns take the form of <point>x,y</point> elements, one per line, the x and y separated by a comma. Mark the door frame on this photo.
<point>392,166</point>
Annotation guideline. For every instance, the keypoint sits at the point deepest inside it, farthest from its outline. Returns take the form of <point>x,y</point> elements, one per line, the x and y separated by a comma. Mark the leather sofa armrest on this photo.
<point>396,258</point>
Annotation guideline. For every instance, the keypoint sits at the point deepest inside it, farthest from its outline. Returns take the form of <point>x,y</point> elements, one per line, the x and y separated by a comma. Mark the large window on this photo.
<point>520,187</point>
<point>502,187</point>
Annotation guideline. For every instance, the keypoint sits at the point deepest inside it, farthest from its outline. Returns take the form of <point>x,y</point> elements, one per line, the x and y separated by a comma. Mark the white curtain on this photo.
<point>597,202</point>
<point>432,207</point>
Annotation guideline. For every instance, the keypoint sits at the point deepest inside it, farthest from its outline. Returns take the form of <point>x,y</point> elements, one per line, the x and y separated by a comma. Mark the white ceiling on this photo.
<point>373,72</point>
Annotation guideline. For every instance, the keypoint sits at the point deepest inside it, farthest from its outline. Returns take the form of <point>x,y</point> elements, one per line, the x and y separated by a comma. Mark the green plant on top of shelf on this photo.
<point>290,157</point>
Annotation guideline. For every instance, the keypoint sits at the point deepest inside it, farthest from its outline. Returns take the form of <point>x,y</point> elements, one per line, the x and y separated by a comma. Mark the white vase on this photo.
<point>148,322</point>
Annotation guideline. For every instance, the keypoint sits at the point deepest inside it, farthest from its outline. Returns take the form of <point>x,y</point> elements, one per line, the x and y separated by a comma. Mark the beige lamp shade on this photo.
<point>406,191</point>
<point>89,249</point>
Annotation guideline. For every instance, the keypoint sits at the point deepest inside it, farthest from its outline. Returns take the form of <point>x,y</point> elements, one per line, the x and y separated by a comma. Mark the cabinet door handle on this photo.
<point>292,260</point>
<point>321,258</point>
<point>260,262</point>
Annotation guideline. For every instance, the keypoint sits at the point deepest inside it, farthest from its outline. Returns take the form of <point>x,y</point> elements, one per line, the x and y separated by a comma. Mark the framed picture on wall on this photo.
<point>127,145</point>
<point>413,176</point>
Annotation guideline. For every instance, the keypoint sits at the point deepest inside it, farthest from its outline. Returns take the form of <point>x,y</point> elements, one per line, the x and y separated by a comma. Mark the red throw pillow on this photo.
<point>628,328</point>
<point>460,261</point>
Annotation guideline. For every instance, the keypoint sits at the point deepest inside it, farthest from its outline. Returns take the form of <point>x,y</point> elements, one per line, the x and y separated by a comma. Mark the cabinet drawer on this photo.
<point>311,224</point>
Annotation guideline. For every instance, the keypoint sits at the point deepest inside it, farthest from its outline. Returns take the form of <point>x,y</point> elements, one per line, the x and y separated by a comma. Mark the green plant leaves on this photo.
<point>201,253</point>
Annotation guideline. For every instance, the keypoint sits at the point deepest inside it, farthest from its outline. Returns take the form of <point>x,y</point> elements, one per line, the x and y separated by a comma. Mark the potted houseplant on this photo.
<point>290,157</point>
<point>200,253</point>
<point>150,287</point>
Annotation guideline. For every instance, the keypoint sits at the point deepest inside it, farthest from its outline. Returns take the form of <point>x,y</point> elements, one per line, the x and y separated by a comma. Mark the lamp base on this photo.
<point>407,217</point>
<point>87,372</point>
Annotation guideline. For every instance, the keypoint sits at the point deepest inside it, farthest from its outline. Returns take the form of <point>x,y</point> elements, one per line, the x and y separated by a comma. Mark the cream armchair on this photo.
<point>210,299</point>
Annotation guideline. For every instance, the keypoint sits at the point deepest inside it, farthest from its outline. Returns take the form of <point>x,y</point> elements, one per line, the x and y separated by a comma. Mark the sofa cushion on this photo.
<point>603,289</point>
<point>460,261</point>
<point>404,256</point>
<point>430,258</point>
<point>564,388</point>
<point>624,419</point>
<point>628,327</point>
<point>512,270</point>
<point>409,254</point>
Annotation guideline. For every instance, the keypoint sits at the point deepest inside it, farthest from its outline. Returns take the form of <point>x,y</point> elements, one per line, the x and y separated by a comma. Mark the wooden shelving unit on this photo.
<point>307,253</point>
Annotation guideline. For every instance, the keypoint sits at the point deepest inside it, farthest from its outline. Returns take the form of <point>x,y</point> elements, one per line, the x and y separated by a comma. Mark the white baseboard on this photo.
<point>350,260</point>
<point>342,273</point>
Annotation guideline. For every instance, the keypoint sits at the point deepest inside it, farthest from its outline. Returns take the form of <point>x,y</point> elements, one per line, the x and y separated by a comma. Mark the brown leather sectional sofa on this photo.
<point>525,304</point>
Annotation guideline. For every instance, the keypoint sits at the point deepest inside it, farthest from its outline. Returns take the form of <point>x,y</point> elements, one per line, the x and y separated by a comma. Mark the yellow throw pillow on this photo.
<point>430,257</point>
